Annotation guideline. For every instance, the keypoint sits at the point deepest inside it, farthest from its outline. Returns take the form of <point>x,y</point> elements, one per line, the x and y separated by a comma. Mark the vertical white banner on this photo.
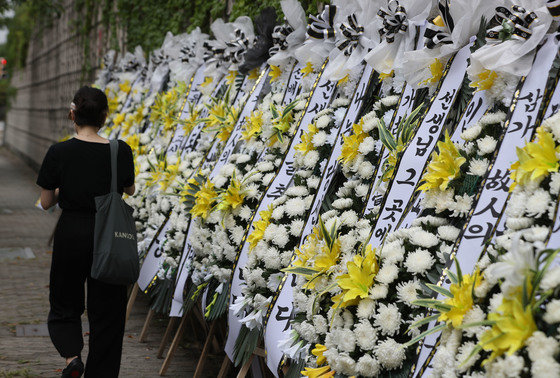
<point>276,322</point>
<point>320,99</point>
<point>417,153</point>
<point>495,189</point>
<point>150,266</point>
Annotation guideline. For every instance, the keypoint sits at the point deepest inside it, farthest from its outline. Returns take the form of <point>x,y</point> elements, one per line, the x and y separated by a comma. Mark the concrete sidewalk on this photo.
<point>24,292</point>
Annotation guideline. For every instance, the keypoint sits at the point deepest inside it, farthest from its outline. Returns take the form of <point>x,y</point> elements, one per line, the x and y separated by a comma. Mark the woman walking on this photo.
<point>73,173</point>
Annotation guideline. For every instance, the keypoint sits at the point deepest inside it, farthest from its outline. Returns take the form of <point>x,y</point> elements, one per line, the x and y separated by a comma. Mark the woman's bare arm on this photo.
<point>130,189</point>
<point>49,198</point>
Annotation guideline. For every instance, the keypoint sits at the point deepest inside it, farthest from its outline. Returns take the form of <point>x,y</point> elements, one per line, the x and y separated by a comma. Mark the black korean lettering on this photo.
<point>477,231</point>
<point>447,99</point>
<point>407,99</point>
<point>490,207</point>
<point>396,207</point>
<point>422,147</point>
<point>381,232</point>
<point>281,316</point>
<point>240,275</point>
<point>499,181</point>
<point>276,191</point>
<point>436,118</point>
<point>409,179</point>
<point>532,99</point>
<point>293,281</point>
<point>290,168</point>
<point>158,250</point>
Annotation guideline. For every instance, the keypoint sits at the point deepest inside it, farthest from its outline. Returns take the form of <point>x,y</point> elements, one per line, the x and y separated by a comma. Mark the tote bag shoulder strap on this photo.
<point>114,145</point>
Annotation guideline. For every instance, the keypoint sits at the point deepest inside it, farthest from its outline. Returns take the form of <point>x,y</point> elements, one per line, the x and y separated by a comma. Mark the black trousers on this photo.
<point>106,304</point>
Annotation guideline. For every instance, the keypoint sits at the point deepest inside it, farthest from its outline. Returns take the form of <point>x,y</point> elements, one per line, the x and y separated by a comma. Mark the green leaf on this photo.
<point>421,322</point>
<point>299,270</point>
<point>424,334</point>
<point>440,290</point>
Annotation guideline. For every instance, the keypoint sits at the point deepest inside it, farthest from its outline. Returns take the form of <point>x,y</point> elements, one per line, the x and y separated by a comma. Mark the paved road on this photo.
<point>24,292</point>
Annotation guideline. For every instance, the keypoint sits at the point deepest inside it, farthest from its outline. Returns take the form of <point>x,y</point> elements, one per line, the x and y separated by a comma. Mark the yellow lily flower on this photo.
<point>307,69</point>
<point>260,227</point>
<point>230,78</point>
<point>443,167</point>
<point>318,352</point>
<point>125,87</point>
<point>436,69</point>
<point>462,301</point>
<point>204,200</point>
<point>352,143</point>
<point>485,80</point>
<point>320,372</point>
<point>536,160</point>
<point>306,144</point>
<point>253,126</point>
<point>207,81</point>
<point>232,198</point>
<point>275,73</point>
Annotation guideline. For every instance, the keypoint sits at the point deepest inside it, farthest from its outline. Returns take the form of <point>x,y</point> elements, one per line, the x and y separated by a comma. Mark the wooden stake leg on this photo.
<point>131,299</point>
<point>224,370</point>
<point>166,336</point>
<point>205,351</point>
<point>245,369</point>
<point>144,332</point>
<point>174,345</point>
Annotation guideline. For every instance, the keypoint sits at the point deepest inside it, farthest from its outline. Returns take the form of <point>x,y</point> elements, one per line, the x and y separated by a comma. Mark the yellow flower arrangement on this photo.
<point>204,200</point>
<point>125,87</point>
<point>233,196</point>
<point>436,69</point>
<point>260,227</point>
<point>352,143</point>
<point>356,283</point>
<point>443,167</point>
<point>513,325</point>
<point>485,80</point>
<point>308,69</point>
<point>227,125</point>
<point>230,78</point>
<point>253,126</point>
<point>322,371</point>
<point>306,144</point>
<point>536,160</point>
<point>275,73</point>
<point>207,81</point>
<point>462,301</point>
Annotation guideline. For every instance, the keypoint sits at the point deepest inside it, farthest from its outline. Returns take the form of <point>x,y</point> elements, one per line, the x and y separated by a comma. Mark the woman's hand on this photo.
<point>49,198</point>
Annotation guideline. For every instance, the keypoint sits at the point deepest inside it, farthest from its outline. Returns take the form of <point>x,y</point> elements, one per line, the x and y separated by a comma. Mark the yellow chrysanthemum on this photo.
<point>207,81</point>
<point>485,80</point>
<point>462,300</point>
<point>260,227</point>
<point>308,69</point>
<point>536,160</point>
<point>133,141</point>
<point>125,87</point>
<point>306,144</point>
<point>514,324</point>
<point>119,118</point>
<point>443,167</point>
<point>232,198</point>
<point>253,126</point>
<point>343,80</point>
<point>253,74</point>
<point>230,78</point>
<point>356,283</point>
<point>352,143</point>
<point>204,200</point>
<point>320,372</point>
<point>436,69</point>
<point>275,73</point>
<point>383,76</point>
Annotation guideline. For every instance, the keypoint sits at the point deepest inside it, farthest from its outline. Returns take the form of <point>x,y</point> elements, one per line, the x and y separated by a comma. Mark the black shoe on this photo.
<point>75,369</point>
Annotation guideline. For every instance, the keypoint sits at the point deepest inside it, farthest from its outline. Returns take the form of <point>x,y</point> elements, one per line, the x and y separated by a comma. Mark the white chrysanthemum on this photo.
<point>393,252</point>
<point>463,354</point>
<point>366,308</point>
<point>471,133</point>
<point>540,346</point>
<point>297,191</point>
<point>378,291</point>
<point>311,159</point>
<point>367,146</point>
<point>474,315</point>
<point>551,278</point>
<point>281,236</point>
<point>390,353</point>
<point>367,366</point>
<point>319,139</point>
<point>342,203</point>
<point>486,145</point>
<point>313,182</point>
<point>387,319</point>
<point>419,261</point>
<point>492,118</point>
<point>423,239</point>
<point>552,314</point>
<point>448,233</point>
<point>362,190</point>
<point>387,274</point>
<point>295,206</point>
<point>365,170</point>
<point>478,167</point>
<point>407,292</point>
<point>296,227</point>
<point>555,183</point>
<point>462,205</point>
<point>537,204</point>
<point>536,234</point>
<point>278,212</point>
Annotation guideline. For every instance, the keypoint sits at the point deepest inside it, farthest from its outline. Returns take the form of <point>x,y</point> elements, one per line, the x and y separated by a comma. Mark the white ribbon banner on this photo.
<point>192,99</point>
<point>320,99</point>
<point>277,322</point>
<point>496,185</point>
<point>475,110</point>
<point>150,267</point>
<point>416,155</point>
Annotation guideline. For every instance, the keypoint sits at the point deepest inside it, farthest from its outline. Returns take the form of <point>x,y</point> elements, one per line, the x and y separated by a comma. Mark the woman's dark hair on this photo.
<point>91,107</point>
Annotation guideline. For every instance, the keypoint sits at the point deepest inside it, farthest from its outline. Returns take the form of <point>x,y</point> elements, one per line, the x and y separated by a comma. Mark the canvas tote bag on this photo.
<point>115,251</point>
